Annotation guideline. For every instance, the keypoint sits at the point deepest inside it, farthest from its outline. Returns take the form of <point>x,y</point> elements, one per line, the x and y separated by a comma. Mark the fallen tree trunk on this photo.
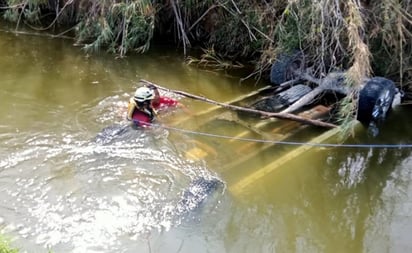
<point>239,108</point>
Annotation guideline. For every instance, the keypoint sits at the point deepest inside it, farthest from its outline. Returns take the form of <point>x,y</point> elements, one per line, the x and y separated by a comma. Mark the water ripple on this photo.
<point>71,195</point>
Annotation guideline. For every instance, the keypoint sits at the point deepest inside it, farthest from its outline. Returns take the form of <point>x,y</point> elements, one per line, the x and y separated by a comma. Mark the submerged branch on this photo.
<point>53,36</point>
<point>239,108</point>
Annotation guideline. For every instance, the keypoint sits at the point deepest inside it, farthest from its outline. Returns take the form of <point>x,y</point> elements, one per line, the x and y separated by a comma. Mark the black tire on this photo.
<point>196,194</point>
<point>268,104</point>
<point>109,133</point>
<point>283,69</point>
<point>375,100</point>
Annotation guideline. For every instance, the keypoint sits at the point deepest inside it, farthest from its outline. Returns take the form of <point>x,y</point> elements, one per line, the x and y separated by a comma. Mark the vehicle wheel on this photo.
<point>285,67</point>
<point>268,104</point>
<point>107,134</point>
<point>375,100</point>
<point>197,192</point>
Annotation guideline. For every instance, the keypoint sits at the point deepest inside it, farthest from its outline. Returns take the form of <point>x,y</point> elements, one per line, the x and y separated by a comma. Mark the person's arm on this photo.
<point>130,109</point>
<point>167,102</point>
<point>156,99</point>
<point>184,108</point>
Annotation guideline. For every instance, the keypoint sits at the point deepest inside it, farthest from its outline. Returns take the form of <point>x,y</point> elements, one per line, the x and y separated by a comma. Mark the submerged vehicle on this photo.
<point>377,95</point>
<point>253,137</point>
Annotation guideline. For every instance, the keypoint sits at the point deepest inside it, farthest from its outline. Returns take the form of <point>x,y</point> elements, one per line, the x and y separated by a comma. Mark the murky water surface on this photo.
<point>75,178</point>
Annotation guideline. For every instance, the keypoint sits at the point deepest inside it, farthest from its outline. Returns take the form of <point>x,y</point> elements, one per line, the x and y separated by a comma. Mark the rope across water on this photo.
<point>293,143</point>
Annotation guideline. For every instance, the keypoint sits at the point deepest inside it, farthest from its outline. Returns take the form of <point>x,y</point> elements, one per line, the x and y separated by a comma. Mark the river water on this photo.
<point>62,189</point>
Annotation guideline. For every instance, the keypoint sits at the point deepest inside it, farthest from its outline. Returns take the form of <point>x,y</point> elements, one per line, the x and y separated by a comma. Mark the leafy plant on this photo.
<point>5,247</point>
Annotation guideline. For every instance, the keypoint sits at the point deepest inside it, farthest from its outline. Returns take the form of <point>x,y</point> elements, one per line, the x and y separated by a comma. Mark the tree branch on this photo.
<point>238,108</point>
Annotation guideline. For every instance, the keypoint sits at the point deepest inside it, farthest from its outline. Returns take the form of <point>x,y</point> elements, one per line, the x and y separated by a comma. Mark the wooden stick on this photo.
<point>238,108</point>
<point>16,32</point>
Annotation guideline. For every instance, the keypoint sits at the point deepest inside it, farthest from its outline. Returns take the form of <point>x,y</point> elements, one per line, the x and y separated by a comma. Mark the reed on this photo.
<point>360,67</point>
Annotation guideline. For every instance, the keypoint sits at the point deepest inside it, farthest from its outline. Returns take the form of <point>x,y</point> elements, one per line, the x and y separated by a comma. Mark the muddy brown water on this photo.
<point>61,190</point>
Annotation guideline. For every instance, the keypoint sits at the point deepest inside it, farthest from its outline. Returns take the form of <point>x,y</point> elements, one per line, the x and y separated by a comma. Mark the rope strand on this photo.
<point>294,143</point>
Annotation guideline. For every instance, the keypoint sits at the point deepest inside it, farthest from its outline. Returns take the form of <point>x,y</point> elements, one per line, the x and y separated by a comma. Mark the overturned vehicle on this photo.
<point>296,88</point>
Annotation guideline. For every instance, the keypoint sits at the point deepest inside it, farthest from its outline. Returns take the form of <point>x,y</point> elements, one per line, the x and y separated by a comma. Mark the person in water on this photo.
<point>145,103</point>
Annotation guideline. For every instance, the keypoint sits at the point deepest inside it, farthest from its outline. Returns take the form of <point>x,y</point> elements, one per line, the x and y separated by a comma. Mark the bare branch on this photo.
<point>238,108</point>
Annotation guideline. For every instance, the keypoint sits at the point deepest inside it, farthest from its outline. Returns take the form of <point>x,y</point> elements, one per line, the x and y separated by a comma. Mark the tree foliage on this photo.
<point>363,37</point>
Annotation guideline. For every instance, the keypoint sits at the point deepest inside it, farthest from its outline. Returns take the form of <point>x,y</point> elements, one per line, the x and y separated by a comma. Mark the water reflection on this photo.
<point>65,187</point>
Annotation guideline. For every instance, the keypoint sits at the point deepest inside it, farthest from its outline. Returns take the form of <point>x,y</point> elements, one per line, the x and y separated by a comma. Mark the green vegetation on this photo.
<point>5,247</point>
<point>361,36</point>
